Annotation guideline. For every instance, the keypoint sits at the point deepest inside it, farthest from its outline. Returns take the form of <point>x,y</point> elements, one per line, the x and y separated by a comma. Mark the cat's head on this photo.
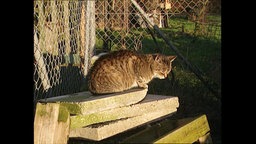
<point>162,65</point>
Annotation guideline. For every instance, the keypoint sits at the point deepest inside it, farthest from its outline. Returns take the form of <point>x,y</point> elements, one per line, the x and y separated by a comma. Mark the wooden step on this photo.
<point>187,130</point>
<point>85,103</point>
<point>151,108</point>
<point>149,104</point>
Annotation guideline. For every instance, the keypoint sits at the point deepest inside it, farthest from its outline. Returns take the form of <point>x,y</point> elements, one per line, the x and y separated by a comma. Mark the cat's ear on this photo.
<point>172,58</point>
<point>156,57</point>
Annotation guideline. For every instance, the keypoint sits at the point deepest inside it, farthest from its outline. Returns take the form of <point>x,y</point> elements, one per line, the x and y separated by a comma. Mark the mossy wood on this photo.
<point>51,124</point>
<point>150,104</point>
<point>85,103</point>
<point>187,133</point>
<point>188,130</point>
<point>155,111</point>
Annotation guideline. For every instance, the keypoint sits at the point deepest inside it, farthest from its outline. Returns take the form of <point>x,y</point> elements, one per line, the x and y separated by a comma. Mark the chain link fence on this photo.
<point>68,33</point>
<point>62,46</point>
<point>120,25</point>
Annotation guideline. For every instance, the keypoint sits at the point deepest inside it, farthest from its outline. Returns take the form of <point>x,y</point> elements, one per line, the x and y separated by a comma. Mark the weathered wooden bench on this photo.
<point>187,130</point>
<point>82,115</point>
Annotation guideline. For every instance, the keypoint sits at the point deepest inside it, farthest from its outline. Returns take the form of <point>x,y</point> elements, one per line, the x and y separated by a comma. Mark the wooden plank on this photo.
<point>42,72</point>
<point>151,133</point>
<point>52,32</point>
<point>149,104</point>
<point>205,139</point>
<point>66,14</point>
<point>187,133</point>
<point>85,103</point>
<point>90,37</point>
<point>83,52</point>
<point>102,131</point>
<point>189,129</point>
<point>51,124</point>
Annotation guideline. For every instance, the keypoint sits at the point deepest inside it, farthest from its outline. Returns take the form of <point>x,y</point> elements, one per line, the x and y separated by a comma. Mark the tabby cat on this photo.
<point>122,70</point>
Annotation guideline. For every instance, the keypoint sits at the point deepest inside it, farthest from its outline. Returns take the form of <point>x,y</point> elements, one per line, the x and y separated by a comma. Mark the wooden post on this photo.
<point>106,26</point>
<point>87,39</point>
<point>92,31</point>
<point>125,22</point>
<point>42,73</point>
<point>41,26</point>
<point>51,124</point>
<point>39,48</point>
<point>89,34</point>
<point>82,34</point>
<point>126,15</point>
<point>52,36</point>
<point>66,27</point>
<point>82,29</point>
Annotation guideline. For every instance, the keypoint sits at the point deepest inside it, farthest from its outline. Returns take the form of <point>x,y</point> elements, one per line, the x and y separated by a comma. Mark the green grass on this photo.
<point>203,49</point>
<point>213,18</point>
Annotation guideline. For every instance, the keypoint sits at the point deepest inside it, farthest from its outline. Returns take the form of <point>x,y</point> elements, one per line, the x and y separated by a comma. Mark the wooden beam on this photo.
<point>187,130</point>
<point>42,72</point>
<point>85,103</point>
<point>151,103</point>
<point>51,124</point>
<point>188,133</point>
<point>105,130</point>
<point>205,139</point>
<point>90,37</point>
<point>66,27</point>
<point>52,33</point>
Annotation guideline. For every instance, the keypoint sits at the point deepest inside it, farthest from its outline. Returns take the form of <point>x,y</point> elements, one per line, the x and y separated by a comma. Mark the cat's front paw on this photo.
<point>145,86</point>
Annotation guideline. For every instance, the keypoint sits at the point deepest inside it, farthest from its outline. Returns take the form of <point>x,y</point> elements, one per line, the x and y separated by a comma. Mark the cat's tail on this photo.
<point>95,57</point>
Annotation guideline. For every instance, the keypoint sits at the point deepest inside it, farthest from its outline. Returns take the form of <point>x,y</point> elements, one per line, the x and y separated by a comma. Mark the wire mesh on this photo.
<point>120,26</point>
<point>66,33</point>
<point>59,47</point>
